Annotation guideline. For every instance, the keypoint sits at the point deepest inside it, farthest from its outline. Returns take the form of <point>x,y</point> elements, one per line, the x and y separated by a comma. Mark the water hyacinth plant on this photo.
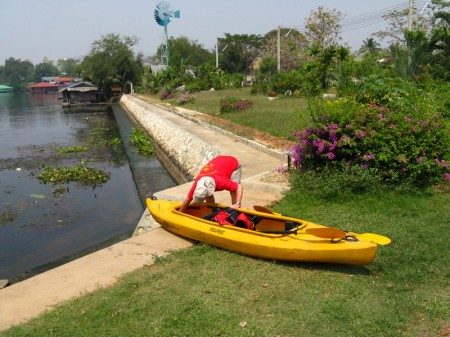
<point>80,173</point>
<point>141,141</point>
<point>395,145</point>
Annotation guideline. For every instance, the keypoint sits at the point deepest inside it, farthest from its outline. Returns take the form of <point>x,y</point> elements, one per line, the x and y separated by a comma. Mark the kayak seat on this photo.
<point>231,217</point>
<point>289,225</point>
<point>212,215</point>
<point>255,219</point>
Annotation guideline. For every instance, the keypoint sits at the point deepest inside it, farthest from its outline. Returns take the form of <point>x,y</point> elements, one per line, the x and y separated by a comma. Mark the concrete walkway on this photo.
<point>27,299</point>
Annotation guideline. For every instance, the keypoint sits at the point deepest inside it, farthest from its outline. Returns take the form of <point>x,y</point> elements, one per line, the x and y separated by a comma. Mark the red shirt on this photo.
<point>220,169</point>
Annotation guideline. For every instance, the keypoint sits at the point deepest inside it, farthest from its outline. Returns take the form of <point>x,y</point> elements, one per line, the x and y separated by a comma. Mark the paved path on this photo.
<point>27,299</point>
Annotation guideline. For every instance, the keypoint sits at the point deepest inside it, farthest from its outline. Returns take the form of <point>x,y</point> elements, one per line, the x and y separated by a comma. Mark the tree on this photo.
<point>370,46</point>
<point>323,27</point>
<point>111,62</point>
<point>240,52</point>
<point>68,66</point>
<point>330,67</point>
<point>189,53</point>
<point>440,46</point>
<point>17,73</point>
<point>411,61</point>
<point>292,47</point>
<point>268,65</point>
<point>397,24</point>
<point>44,69</point>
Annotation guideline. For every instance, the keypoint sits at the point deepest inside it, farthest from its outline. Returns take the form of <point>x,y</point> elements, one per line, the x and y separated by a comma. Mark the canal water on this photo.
<point>45,225</point>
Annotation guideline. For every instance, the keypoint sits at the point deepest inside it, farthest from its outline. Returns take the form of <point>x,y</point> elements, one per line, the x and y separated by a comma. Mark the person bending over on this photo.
<point>219,174</point>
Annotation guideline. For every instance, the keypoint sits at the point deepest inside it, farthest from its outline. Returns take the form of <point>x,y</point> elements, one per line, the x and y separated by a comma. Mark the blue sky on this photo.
<point>57,29</point>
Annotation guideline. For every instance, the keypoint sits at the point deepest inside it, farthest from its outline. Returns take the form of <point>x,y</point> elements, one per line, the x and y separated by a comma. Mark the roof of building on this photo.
<point>5,87</point>
<point>80,86</point>
<point>63,79</point>
<point>44,85</point>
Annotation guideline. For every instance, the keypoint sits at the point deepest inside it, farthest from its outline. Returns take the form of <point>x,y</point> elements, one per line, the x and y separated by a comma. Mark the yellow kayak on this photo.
<point>270,235</point>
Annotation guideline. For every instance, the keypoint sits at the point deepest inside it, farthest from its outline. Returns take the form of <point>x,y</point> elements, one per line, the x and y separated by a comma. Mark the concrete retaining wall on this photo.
<point>186,151</point>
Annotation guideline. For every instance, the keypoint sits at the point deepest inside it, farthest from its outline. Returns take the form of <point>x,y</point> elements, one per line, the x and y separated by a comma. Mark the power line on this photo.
<point>372,18</point>
<point>373,15</point>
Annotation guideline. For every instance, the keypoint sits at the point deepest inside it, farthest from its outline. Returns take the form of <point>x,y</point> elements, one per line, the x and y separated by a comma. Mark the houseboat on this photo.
<point>82,95</point>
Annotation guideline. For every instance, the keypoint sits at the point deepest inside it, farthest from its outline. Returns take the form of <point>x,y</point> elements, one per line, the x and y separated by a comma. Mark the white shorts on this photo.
<point>236,175</point>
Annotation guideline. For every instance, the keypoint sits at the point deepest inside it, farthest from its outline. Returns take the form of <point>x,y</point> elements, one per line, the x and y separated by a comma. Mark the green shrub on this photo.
<point>378,89</point>
<point>286,81</point>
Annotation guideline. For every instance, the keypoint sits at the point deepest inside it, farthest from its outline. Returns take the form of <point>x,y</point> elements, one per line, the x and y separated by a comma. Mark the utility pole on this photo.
<point>278,50</point>
<point>217,54</point>
<point>410,15</point>
<point>279,46</point>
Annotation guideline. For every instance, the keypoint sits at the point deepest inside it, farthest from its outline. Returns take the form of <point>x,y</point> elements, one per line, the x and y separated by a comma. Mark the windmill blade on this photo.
<point>161,22</point>
<point>163,13</point>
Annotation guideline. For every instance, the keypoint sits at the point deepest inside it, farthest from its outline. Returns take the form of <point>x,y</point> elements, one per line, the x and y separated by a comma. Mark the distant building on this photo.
<point>79,93</point>
<point>5,88</point>
<point>44,88</point>
<point>47,79</point>
<point>63,80</point>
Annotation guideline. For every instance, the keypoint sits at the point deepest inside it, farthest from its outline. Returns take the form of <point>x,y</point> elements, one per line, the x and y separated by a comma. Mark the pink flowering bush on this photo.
<point>230,104</point>
<point>185,98</point>
<point>165,94</point>
<point>397,145</point>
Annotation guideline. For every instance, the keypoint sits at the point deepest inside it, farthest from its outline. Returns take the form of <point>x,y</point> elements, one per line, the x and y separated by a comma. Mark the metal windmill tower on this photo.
<point>162,14</point>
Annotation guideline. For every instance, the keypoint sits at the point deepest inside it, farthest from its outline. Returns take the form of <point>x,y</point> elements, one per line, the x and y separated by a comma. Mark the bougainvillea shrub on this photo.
<point>229,104</point>
<point>396,145</point>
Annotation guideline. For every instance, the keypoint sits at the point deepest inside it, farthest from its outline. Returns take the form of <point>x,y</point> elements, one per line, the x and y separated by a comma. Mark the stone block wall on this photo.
<point>184,150</point>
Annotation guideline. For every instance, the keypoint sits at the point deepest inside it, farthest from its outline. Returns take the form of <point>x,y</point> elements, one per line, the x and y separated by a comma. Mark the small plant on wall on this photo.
<point>142,142</point>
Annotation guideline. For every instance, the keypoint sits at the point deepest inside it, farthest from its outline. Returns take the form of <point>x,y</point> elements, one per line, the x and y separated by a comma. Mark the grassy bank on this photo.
<point>277,117</point>
<point>204,291</point>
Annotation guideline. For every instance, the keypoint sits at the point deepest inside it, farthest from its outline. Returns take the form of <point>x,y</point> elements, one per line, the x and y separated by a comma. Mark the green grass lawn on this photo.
<point>204,291</point>
<point>278,117</point>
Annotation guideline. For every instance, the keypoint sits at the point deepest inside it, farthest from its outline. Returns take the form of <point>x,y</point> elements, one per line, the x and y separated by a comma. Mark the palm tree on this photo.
<point>411,61</point>
<point>370,46</point>
<point>439,46</point>
<point>440,39</point>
